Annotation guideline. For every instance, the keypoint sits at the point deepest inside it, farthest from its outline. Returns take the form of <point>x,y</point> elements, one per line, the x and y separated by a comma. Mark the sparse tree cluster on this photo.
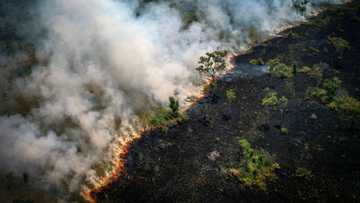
<point>212,64</point>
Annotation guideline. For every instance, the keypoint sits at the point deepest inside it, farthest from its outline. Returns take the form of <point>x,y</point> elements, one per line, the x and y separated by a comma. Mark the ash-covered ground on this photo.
<point>315,145</point>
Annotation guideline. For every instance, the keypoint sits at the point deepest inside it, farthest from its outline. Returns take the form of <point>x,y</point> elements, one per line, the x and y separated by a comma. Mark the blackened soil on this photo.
<point>188,163</point>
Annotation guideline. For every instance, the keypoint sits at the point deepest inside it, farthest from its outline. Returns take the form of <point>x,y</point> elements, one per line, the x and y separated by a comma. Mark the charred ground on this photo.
<point>316,147</point>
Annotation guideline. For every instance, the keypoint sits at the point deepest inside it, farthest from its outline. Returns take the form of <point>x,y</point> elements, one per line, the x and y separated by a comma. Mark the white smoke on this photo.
<point>104,64</point>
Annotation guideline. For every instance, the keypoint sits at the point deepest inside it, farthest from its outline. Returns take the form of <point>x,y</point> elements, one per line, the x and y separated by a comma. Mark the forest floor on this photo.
<point>314,140</point>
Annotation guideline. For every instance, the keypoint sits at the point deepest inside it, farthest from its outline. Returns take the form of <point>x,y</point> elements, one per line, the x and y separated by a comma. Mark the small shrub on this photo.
<point>279,69</point>
<point>303,173</point>
<point>160,117</point>
<point>256,168</point>
<point>327,92</point>
<point>272,99</point>
<point>230,95</point>
<point>339,43</point>
<point>284,131</point>
<point>273,62</point>
<point>318,93</point>
<point>314,72</point>
<point>166,117</point>
<point>174,106</point>
<point>314,50</point>
<point>257,61</point>
<point>346,106</point>
<point>332,86</point>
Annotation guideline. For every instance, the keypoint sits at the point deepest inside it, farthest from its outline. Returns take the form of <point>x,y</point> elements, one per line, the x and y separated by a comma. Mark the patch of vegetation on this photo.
<point>279,69</point>
<point>284,131</point>
<point>212,64</point>
<point>174,106</point>
<point>166,117</point>
<point>346,106</point>
<point>318,93</point>
<point>314,72</point>
<point>256,168</point>
<point>257,61</point>
<point>340,44</point>
<point>332,86</point>
<point>231,95</point>
<point>272,99</point>
<point>327,92</point>
<point>303,173</point>
<point>314,50</point>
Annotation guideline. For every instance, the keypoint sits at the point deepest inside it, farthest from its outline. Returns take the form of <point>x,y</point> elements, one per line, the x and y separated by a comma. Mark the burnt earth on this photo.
<point>188,162</point>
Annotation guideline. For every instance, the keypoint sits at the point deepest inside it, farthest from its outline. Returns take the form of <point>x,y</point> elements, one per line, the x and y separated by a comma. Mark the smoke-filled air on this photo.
<point>102,66</point>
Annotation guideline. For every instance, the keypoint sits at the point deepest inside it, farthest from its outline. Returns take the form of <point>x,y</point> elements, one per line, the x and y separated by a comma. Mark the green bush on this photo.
<point>318,93</point>
<point>279,69</point>
<point>284,131</point>
<point>314,72</point>
<point>174,106</point>
<point>339,43</point>
<point>346,106</point>
<point>332,86</point>
<point>272,99</point>
<point>327,92</point>
<point>164,117</point>
<point>303,173</point>
<point>257,61</point>
<point>231,95</point>
<point>256,168</point>
<point>161,117</point>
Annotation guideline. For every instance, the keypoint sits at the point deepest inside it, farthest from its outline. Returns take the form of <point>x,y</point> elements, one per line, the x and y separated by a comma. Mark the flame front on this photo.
<point>119,153</point>
<point>121,150</point>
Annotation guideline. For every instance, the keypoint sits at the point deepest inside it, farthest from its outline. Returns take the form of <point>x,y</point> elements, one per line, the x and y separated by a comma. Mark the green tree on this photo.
<point>174,106</point>
<point>212,64</point>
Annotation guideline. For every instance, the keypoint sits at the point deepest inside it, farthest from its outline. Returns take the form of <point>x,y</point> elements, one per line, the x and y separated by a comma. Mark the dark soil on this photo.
<point>176,166</point>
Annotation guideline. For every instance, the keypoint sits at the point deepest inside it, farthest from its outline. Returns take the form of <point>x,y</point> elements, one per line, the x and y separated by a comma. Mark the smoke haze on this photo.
<point>101,63</point>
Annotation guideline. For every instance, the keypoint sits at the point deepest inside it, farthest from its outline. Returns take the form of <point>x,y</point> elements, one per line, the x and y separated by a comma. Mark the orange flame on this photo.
<point>120,152</point>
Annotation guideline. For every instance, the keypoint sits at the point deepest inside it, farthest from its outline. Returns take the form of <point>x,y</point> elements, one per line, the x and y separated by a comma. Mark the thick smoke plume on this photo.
<point>101,64</point>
